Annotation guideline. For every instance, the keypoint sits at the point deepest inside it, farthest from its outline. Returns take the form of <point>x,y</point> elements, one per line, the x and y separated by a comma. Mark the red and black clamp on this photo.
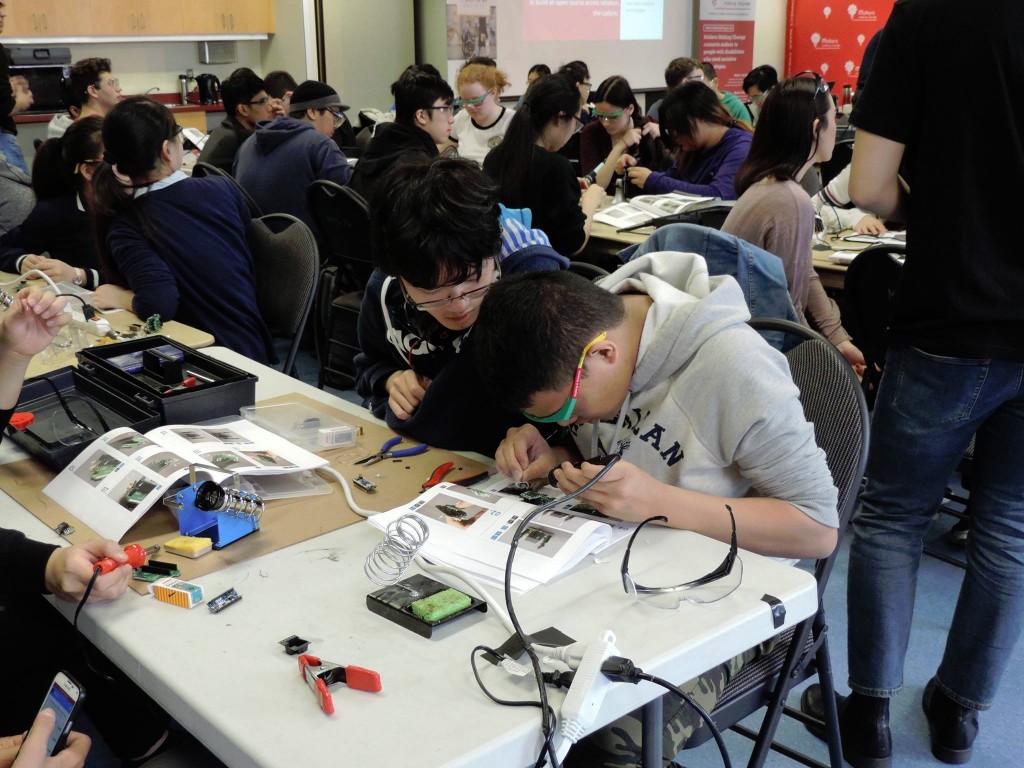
<point>319,675</point>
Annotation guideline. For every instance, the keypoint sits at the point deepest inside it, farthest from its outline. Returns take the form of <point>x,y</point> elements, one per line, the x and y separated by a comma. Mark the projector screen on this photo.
<point>632,38</point>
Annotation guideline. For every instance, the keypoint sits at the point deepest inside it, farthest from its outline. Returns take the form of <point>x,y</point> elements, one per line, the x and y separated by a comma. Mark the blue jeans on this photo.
<point>12,151</point>
<point>927,409</point>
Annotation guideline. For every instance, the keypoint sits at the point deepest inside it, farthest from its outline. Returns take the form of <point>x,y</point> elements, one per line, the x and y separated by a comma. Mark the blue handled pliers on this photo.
<point>385,452</point>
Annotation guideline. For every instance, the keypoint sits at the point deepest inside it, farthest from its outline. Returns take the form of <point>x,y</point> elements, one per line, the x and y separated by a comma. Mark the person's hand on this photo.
<point>869,225</point>
<point>652,129</point>
<point>584,184</point>
<point>853,356</point>
<point>35,317</point>
<point>55,269</point>
<point>406,390</point>
<point>593,197</point>
<point>9,746</point>
<point>624,162</point>
<point>638,176</point>
<point>524,454</point>
<point>69,570</point>
<point>631,138</point>
<point>22,94</point>
<point>625,492</point>
<point>33,747</point>
<point>109,296</point>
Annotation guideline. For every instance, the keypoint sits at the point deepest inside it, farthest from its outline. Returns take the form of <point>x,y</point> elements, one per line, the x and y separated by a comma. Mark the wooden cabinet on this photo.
<point>135,17</point>
<point>40,18</point>
<point>225,17</point>
<point>123,18</point>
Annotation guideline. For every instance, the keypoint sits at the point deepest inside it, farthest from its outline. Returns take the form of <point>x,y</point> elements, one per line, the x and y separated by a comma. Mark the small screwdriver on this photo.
<point>136,558</point>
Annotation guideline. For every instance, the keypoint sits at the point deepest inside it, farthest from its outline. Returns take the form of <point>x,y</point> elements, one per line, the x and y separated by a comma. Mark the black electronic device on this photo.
<point>65,698</point>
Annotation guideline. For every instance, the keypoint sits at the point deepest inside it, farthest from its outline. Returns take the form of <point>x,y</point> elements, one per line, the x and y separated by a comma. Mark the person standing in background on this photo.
<point>14,98</point>
<point>954,369</point>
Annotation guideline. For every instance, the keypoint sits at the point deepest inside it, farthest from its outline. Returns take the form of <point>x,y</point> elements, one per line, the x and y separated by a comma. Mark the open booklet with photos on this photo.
<point>122,474</point>
<point>644,208</point>
<point>472,529</point>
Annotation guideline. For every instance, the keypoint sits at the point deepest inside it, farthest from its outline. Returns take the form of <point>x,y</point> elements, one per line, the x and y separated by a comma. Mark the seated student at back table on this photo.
<point>530,172</point>
<point>171,245</point>
<point>710,144</point>
<point>702,409</point>
<point>57,237</point>
<point>440,241</point>
<point>246,103</point>
<point>423,122</point>
<point>284,156</point>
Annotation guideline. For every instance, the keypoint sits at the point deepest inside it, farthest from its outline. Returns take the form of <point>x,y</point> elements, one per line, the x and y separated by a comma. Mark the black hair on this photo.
<point>238,88</point>
<point>615,90</point>
<point>57,160</point>
<point>134,132</point>
<point>764,77</point>
<point>434,221</point>
<point>678,69</point>
<point>532,328</point>
<point>785,134</point>
<point>681,110</point>
<point>277,84</point>
<point>417,89</point>
<point>550,97</point>
<point>709,71</point>
<point>83,74</point>
<point>577,70</point>
<point>486,61</point>
<point>540,69</point>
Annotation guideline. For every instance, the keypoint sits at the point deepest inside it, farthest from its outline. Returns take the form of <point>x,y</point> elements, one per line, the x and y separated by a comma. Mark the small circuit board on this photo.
<point>223,600</point>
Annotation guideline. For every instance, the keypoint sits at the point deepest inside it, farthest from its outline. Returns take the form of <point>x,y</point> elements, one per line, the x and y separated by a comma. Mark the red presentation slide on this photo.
<point>545,20</point>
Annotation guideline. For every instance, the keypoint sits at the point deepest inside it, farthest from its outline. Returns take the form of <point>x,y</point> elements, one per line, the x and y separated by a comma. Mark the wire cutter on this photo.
<point>320,674</point>
<point>385,452</point>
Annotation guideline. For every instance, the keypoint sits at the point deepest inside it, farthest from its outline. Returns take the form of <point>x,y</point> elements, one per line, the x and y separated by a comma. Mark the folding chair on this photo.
<point>287,261</point>
<point>834,403</point>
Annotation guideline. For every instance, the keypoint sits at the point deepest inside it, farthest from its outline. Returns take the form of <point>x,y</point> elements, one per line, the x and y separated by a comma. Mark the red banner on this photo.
<point>829,37</point>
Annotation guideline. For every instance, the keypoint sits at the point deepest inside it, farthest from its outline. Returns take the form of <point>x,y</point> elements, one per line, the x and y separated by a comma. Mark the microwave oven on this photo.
<point>46,70</point>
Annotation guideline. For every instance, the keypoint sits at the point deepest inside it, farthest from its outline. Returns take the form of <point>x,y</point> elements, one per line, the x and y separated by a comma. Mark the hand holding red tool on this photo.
<point>137,555</point>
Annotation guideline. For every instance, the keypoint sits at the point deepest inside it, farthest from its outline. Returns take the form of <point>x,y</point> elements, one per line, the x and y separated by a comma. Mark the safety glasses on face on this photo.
<point>578,124</point>
<point>475,102</point>
<point>474,295</point>
<point>565,412</point>
<point>604,117</point>
<point>820,86</point>
<point>339,117</point>
<point>442,108</point>
<point>697,77</point>
<point>719,583</point>
<point>259,102</point>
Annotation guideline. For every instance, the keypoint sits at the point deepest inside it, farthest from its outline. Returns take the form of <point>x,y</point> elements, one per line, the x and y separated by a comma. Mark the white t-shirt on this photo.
<point>475,142</point>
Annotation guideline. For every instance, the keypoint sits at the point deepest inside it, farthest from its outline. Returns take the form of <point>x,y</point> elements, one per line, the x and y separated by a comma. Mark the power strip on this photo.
<point>97,326</point>
<point>587,692</point>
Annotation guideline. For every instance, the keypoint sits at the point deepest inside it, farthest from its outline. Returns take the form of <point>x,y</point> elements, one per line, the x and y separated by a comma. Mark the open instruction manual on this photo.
<point>122,474</point>
<point>472,529</point>
<point>643,208</point>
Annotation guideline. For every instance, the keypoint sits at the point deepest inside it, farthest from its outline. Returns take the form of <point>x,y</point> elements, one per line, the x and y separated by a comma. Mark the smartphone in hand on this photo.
<point>65,698</point>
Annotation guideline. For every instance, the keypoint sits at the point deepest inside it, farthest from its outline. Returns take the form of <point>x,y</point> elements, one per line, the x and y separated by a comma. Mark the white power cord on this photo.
<point>478,589</point>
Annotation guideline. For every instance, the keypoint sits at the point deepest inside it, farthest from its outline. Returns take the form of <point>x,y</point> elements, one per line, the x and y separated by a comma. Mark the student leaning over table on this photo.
<point>132,726</point>
<point>703,410</point>
<point>438,235</point>
<point>169,244</point>
<point>57,237</point>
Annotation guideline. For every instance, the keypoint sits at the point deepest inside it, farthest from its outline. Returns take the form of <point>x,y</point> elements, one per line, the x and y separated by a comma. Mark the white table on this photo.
<point>226,679</point>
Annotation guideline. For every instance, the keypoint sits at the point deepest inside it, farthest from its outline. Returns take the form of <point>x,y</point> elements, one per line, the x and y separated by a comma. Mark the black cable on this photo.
<point>547,720</point>
<point>78,633</point>
<point>87,310</point>
<point>641,675</point>
<point>71,415</point>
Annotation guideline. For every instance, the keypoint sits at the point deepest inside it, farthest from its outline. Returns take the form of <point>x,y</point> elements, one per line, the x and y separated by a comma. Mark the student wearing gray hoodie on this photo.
<point>703,410</point>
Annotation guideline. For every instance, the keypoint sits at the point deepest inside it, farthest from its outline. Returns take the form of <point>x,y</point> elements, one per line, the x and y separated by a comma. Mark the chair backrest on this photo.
<point>287,266</point>
<point>834,404</point>
<point>201,169</point>
<point>586,269</point>
<point>868,291</point>
<point>842,154</point>
<point>343,218</point>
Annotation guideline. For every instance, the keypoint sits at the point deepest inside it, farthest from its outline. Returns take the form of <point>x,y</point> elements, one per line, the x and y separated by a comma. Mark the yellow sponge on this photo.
<point>189,546</point>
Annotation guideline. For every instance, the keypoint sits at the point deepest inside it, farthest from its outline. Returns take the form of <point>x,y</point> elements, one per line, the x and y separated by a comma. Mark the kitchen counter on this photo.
<point>170,99</point>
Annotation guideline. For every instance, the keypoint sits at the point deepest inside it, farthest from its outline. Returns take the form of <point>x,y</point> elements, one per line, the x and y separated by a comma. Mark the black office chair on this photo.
<point>205,169</point>
<point>343,218</point>
<point>842,154</point>
<point>834,403</point>
<point>590,271</point>
<point>285,255</point>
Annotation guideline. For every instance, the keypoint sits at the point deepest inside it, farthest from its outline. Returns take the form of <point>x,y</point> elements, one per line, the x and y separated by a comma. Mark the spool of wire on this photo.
<point>390,559</point>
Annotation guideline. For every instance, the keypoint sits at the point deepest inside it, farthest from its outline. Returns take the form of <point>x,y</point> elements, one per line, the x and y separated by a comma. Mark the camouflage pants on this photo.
<point>620,745</point>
